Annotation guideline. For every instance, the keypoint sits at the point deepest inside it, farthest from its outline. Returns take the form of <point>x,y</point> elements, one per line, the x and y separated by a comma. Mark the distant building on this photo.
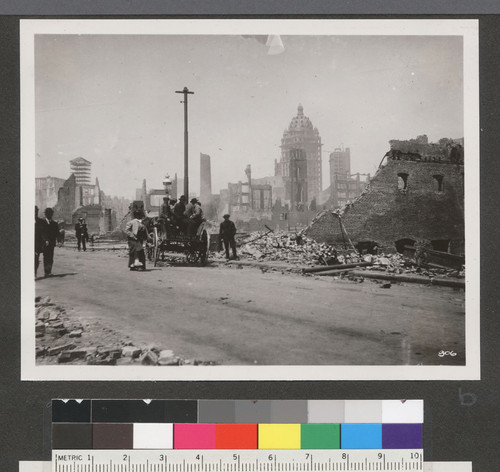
<point>205,178</point>
<point>239,197</point>
<point>344,186</point>
<point>81,168</point>
<point>46,191</point>
<point>301,136</point>
<point>276,184</point>
<point>261,195</point>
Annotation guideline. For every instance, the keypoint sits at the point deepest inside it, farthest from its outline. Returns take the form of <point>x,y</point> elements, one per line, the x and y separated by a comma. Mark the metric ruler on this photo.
<point>208,460</point>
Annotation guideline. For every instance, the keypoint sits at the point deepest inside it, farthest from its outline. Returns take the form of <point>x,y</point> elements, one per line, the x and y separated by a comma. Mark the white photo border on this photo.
<point>468,29</point>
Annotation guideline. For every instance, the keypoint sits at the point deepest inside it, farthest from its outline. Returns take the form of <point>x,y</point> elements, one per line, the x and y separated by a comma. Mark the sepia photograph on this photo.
<point>250,199</point>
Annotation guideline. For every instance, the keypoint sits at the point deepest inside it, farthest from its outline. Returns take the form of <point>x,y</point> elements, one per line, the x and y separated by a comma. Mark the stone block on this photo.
<point>149,358</point>
<point>68,356</point>
<point>131,351</point>
<point>76,334</point>
<point>40,329</point>
<point>54,351</point>
<point>40,351</point>
<point>57,325</point>
<point>167,357</point>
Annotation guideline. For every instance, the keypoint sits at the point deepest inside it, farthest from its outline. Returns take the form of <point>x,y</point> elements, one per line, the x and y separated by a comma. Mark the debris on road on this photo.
<point>61,338</point>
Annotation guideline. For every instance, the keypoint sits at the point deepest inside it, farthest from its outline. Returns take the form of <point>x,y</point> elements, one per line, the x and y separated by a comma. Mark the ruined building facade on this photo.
<point>414,197</point>
<point>46,190</point>
<point>301,137</point>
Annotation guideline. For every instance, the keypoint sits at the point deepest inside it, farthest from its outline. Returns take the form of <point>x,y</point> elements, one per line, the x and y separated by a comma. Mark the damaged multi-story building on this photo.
<point>77,197</point>
<point>416,196</point>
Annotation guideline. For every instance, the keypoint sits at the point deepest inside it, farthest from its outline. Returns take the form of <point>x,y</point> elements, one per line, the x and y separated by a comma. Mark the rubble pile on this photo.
<point>399,264</point>
<point>299,250</point>
<point>59,339</point>
<point>286,247</point>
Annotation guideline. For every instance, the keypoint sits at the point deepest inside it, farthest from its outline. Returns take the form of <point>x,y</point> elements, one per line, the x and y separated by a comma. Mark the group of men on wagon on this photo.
<point>175,218</point>
<point>179,216</point>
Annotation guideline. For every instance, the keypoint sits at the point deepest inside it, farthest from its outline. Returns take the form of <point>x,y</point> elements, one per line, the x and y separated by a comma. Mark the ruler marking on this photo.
<point>232,461</point>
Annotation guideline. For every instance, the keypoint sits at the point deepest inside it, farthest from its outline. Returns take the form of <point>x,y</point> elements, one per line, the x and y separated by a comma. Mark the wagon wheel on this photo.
<point>203,252</point>
<point>150,247</point>
<point>156,246</point>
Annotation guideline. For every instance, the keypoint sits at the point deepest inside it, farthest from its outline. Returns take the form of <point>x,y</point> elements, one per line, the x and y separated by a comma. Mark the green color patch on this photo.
<point>320,436</point>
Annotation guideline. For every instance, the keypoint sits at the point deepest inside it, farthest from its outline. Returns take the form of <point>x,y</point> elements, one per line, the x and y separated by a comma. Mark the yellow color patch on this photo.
<point>279,436</point>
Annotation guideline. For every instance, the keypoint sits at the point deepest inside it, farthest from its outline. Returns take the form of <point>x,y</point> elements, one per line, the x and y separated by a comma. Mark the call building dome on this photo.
<point>302,135</point>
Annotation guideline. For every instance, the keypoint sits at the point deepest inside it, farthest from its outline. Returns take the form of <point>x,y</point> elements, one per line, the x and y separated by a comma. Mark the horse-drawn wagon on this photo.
<point>168,238</point>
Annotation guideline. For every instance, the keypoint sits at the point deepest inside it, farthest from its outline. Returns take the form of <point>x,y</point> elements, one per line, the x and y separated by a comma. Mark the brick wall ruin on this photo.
<point>407,199</point>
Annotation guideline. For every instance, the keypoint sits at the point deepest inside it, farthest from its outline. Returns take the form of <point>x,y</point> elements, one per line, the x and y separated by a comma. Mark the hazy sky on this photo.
<point>111,99</point>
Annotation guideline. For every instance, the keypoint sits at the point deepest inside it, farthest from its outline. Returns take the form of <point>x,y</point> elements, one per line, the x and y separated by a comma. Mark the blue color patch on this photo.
<point>361,436</point>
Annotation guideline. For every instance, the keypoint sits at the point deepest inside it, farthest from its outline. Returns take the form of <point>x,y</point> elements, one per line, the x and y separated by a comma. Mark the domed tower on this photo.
<point>302,135</point>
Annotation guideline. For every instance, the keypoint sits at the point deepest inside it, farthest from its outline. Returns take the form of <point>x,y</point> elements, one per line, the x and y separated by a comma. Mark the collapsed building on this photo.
<point>416,197</point>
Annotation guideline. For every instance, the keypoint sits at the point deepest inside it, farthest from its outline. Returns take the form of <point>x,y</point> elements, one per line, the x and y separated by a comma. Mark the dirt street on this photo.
<point>231,316</point>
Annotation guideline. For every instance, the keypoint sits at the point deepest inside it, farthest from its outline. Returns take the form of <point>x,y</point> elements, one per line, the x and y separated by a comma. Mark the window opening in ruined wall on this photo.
<point>401,243</point>
<point>442,245</point>
<point>403,182</point>
<point>438,180</point>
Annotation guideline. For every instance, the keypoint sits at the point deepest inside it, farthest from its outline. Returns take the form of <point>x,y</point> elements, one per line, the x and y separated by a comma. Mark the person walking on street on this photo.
<point>39,242</point>
<point>136,234</point>
<point>50,231</point>
<point>227,232</point>
<point>82,234</point>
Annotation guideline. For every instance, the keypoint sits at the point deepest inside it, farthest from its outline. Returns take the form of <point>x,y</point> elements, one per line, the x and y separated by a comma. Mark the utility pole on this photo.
<point>185,91</point>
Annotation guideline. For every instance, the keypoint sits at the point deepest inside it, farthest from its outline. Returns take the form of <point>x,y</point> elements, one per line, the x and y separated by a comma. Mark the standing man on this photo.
<point>136,234</point>
<point>81,234</point>
<point>165,215</point>
<point>179,209</point>
<point>196,216</point>
<point>39,242</point>
<point>50,231</point>
<point>226,232</point>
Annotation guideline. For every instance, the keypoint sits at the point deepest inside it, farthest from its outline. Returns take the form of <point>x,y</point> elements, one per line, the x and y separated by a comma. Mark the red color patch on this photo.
<point>235,436</point>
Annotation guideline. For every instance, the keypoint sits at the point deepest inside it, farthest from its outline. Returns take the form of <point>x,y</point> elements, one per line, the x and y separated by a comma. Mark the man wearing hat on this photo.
<point>39,241</point>
<point>49,232</point>
<point>226,232</point>
<point>194,216</point>
<point>179,209</point>
<point>81,233</point>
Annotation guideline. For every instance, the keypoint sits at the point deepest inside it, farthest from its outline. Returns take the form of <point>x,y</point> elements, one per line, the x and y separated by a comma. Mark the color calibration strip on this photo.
<point>236,436</point>
<point>238,411</point>
<point>283,424</point>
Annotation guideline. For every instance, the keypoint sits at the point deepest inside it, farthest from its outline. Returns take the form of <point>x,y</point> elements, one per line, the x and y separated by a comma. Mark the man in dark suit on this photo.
<point>39,242</point>
<point>50,231</point>
<point>227,232</point>
<point>81,233</point>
